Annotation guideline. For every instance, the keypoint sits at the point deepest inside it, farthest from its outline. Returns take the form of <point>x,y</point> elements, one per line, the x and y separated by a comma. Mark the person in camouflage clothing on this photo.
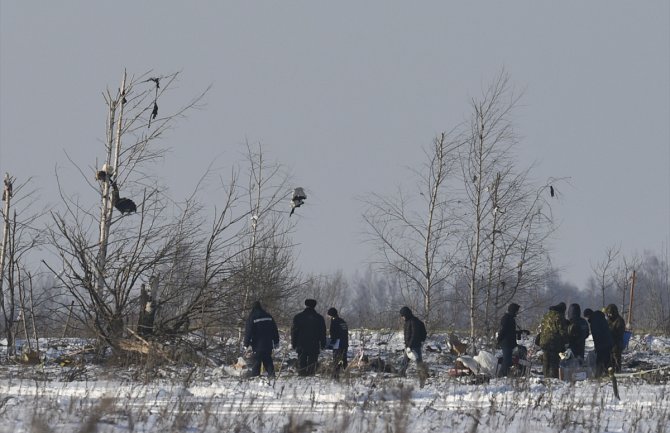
<point>617,328</point>
<point>552,340</point>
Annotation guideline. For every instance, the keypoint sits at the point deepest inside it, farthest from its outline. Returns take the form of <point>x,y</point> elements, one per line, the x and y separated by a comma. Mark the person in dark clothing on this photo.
<point>602,339</point>
<point>414,335</point>
<point>308,337</point>
<point>552,339</point>
<point>262,335</point>
<point>578,330</point>
<point>339,340</point>
<point>617,328</point>
<point>507,337</point>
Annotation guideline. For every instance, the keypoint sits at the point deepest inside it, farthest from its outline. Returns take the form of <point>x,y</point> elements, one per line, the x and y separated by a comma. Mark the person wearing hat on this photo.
<point>414,332</point>
<point>602,339</point>
<point>339,341</point>
<point>262,335</point>
<point>507,337</point>
<point>308,337</point>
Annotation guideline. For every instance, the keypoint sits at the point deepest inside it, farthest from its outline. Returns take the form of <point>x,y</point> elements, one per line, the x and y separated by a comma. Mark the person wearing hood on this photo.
<point>308,337</point>
<point>617,328</point>
<point>602,339</point>
<point>507,337</point>
<point>262,336</point>
<point>578,330</point>
<point>414,332</point>
<point>552,339</point>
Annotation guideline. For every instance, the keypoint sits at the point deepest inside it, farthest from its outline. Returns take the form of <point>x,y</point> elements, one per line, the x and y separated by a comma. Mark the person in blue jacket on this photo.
<point>262,336</point>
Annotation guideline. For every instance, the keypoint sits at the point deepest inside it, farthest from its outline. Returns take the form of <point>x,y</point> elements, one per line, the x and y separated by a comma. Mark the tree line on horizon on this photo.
<point>464,237</point>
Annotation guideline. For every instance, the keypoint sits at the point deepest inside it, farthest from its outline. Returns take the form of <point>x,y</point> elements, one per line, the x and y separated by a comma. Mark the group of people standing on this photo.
<point>558,333</point>
<point>308,338</point>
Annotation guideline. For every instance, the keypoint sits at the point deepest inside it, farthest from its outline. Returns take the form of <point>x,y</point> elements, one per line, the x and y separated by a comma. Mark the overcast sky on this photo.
<point>347,93</point>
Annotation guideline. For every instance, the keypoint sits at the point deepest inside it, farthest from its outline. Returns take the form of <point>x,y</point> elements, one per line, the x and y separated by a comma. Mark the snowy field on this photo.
<point>67,394</point>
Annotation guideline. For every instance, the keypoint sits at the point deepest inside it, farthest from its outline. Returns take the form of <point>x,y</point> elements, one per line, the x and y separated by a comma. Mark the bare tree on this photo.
<point>652,308</point>
<point>622,279</point>
<point>266,269</point>
<point>103,259</point>
<point>20,236</point>
<point>504,219</point>
<point>374,300</point>
<point>188,290</point>
<point>604,273</point>
<point>413,232</point>
<point>329,290</point>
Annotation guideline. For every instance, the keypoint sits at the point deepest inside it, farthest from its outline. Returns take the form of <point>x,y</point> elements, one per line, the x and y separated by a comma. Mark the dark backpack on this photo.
<point>421,330</point>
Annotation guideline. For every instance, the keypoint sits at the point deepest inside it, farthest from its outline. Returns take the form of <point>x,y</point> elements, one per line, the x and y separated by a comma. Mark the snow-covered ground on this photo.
<point>66,394</point>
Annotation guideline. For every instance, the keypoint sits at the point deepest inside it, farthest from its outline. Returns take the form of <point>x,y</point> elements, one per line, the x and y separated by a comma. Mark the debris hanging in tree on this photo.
<point>122,204</point>
<point>154,111</point>
<point>298,199</point>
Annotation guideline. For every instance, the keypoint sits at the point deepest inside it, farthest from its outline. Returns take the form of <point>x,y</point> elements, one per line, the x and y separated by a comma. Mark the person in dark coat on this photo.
<point>414,332</point>
<point>552,339</point>
<point>339,340</point>
<point>602,339</point>
<point>262,335</point>
<point>507,337</point>
<point>578,330</point>
<point>617,328</point>
<point>308,337</point>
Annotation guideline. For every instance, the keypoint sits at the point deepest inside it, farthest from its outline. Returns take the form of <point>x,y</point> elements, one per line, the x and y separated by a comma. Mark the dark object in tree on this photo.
<point>7,192</point>
<point>104,174</point>
<point>123,205</point>
<point>154,113</point>
<point>155,80</point>
<point>551,191</point>
<point>298,199</point>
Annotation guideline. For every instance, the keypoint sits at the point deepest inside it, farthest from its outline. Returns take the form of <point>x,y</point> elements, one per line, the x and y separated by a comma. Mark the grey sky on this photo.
<point>346,93</point>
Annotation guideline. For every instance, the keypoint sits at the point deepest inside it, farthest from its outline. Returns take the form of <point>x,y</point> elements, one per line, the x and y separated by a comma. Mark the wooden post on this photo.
<point>630,304</point>
<point>67,322</point>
